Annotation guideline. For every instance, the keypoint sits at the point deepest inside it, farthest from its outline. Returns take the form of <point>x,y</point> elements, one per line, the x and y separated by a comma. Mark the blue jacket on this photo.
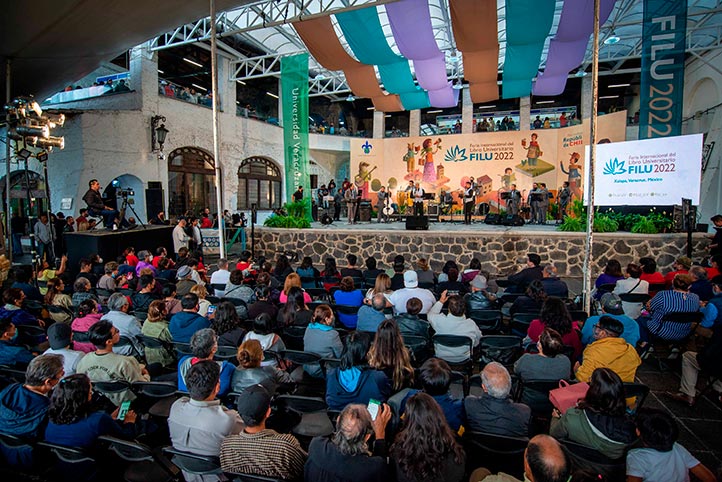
<point>22,413</point>
<point>356,385</point>
<point>14,355</point>
<point>19,317</point>
<point>631,329</point>
<point>184,323</point>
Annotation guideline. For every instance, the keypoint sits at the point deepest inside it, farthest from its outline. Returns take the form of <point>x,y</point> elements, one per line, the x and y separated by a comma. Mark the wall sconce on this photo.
<point>158,132</point>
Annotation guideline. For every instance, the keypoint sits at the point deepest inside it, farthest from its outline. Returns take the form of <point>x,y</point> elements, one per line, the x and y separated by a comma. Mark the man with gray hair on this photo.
<point>345,457</point>
<point>493,411</point>
<point>204,345</point>
<point>370,315</point>
<point>127,325</point>
<point>220,277</point>
<point>553,286</point>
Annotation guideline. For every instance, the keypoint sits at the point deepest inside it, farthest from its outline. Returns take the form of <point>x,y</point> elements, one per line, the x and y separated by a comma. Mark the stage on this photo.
<point>110,244</point>
<point>502,250</point>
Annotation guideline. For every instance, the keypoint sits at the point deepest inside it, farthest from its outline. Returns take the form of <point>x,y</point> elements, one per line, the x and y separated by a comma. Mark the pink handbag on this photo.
<point>567,395</point>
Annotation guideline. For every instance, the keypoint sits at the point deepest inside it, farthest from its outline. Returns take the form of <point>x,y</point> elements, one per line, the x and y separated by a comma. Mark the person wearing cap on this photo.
<point>60,337</point>
<point>479,298</point>
<point>11,353</point>
<point>258,450</point>
<point>455,323</point>
<point>610,351</point>
<point>186,322</point>
<point>632,283</point>
<point>611,306</point>
<point>680,266</point>
<point>199,423</point>
<point>180,238</point>
<point>531,271</point>
<point>553,286</point>
<point>185,283</point>
<point>411,290</point>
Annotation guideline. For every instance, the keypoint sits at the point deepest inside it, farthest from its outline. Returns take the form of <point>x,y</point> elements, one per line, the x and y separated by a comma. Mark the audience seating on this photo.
<point>164,392</point>
<point>579,316</point>
<point>317,294</point>
<point>637,390</point>
<point>238,477</point>
<point>419,349</point>
<point>486,320</point>
<point>125,341</point>
<point>663,348</point>
<point>226,353</point>
<point>497,453</point>
<point>16,452</point>
<point>505,349</point>
<point>72,463</point>
<point>587,457</point>
<point>111,387</point>
<point>634,297</point>
<point>193,463</point>
<point>520,323</point>
<point>182,349</point>
<point>293,336</point>
<point>312,410</point>
<point>144,465</point>
<point>456,341</point>
<point>216,287</point>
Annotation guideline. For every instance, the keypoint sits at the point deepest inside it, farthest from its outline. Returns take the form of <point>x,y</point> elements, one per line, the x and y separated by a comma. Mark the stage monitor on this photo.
<point>658,171</point>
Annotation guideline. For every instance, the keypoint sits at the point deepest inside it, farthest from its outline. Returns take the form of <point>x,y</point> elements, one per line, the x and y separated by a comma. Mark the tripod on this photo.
<point>132,209</point>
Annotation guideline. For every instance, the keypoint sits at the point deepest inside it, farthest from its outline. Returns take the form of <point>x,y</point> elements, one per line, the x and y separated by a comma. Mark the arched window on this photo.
<point>259,182</point>
<point>191,181</point>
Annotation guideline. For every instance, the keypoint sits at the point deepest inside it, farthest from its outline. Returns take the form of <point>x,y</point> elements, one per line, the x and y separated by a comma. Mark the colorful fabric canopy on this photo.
<point>321,40</point>
<point>567,48</point>
<point>474,23</point>
<point>528,23</point>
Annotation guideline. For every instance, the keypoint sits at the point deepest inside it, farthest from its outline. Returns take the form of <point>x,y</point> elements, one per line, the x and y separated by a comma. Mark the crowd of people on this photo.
<point>400,400</point>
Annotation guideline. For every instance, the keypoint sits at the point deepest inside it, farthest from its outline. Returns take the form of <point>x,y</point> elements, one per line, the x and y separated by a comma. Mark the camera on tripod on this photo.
<point>124,193</point>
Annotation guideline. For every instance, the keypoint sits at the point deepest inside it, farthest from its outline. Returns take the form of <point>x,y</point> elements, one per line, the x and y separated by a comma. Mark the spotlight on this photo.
<point>350,98</point>
<point>34,130</point>
<point>55,120</point>
<point>612,39</point>
<point>50,142</point>
<point>42,156</point>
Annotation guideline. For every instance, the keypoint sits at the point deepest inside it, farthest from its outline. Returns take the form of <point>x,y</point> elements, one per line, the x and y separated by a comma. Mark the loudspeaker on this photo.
<point>512,220</point>
<point>492,218</point>
<point>681,215</point>
<point>419,223</point>
<point>326,219</point>
<point>155,185</point>
<point>154,202</point>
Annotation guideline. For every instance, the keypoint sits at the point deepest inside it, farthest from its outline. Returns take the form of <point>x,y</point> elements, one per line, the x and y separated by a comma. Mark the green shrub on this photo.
<point>604,224</point>
<point>572,224</point>
<point>644,225</point>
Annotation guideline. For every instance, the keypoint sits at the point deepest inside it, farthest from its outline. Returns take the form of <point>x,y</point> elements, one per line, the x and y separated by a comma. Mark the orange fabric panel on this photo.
<point>320,38</point>
<point>484,91</point>
<point>388,103</point>
<point>481,65</point>
<point>363,82</point>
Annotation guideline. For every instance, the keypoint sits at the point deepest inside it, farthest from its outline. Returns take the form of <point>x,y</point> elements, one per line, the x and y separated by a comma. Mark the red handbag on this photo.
<point>567,395</point>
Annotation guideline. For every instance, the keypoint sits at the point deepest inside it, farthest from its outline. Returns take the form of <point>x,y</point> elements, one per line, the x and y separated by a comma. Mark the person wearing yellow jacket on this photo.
<point>608,351</point>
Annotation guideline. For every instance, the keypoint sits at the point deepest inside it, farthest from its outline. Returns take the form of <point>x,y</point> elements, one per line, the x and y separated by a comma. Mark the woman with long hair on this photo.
<point>424,271</point>
<point>250,372</point>
<point>55,297</point>
<point>227,324</point>
<point>600,419</point>
<point>307,270</point>
<point>263,332</point>
<point>293,280</point>
<point>330,275</point>
<point>172,304</point>
<point>294,311</point>
<point>320,338</point>
<point>555,315</point>
<point>87,316</point>
<point>381,285</point>
<point>389,355</point>
<point>72,420</point>
<point>283,268</point>
<point>612,273</point>
<point>531,301</point>
<point>156,326</point>
<point>262,303</point>
<point>426,450</point>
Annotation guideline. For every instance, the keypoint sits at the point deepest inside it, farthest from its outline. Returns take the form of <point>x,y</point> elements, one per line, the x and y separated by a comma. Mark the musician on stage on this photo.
<point>352,197</point>
<point>468,202</point>
<point>514,200</point>
<point>447,201</point>
<point>418,195</point>
<point>533,203</point>
<point>96,207</point>
<point>543,206</point>
<point>563,197</point>
<point>410,187</point>
<point>383,201</point>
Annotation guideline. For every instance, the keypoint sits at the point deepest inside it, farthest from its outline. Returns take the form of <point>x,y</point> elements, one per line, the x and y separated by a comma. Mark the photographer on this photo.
<point>96,207</point>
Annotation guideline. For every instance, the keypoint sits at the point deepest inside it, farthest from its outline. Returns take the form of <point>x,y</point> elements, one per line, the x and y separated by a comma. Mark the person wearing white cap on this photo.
<point>411,290</point>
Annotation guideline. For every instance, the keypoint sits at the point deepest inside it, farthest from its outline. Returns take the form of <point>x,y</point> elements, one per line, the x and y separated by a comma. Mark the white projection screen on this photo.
<point>650,172</point>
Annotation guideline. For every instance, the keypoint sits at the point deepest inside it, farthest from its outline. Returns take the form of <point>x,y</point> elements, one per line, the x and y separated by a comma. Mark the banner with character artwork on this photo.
<point>493,161</point>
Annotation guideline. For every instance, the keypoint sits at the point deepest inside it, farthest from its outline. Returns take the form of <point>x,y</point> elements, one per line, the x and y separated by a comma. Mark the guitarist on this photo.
<point>383,203</point>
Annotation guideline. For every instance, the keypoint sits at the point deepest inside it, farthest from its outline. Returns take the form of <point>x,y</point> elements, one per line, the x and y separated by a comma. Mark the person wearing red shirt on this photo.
<point>206,222</point>
<point>680,266</point>
<point>130,256</point>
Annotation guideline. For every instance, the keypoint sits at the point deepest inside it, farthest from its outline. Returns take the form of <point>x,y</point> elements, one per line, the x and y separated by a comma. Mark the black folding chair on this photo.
<point>317,294</point>
<point>217,288</point>
<point>520,323</point>
<point>504,349</point>
<point>497,453</point>
<point>591,459</point>
<point>634,297</point>
<point>293,336</point>
<point>183,349</point>
<point>456,341</point>
<point>579,316</point>
<point>347,311</point>
<point>134,349</point>
<point>226,352</point>
<point>486,320</point>
<point>535,394</point>
<point>144,465</point>
<point>193,463</point>
<point>71,464</point>
<point>639,391</point>
<point>419,348</point>
<point>314,419</point>
<point>112,387</point>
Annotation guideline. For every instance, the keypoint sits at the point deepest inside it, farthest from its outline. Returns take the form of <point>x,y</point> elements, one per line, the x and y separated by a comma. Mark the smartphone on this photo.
<point>373,407</point>
<point>124,407</point>
<point>211,309</point>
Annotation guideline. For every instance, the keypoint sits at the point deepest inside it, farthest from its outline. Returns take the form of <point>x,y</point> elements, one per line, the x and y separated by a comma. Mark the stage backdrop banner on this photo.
<point>664,34</point>
<point>294,85</point>
<point>648,172</point>
<point>494,159</point>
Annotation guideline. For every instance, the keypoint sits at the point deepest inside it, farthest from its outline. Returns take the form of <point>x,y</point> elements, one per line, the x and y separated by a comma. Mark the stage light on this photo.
<point>42,156</point>
<point>50,142</point>
<point>33,130</point>
<point>350,98</point>
<point>55,120</point>
<point>612,39</point>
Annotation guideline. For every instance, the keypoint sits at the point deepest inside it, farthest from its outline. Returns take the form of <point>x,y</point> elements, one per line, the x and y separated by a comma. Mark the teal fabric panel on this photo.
<point>397,78</point>
<point>415,100</point>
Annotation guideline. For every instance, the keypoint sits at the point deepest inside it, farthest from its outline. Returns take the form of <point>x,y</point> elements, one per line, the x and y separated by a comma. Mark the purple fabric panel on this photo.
<point>410,22</point>
<point>446,97</point>
<point>567,48</point>
<point>431,73</point>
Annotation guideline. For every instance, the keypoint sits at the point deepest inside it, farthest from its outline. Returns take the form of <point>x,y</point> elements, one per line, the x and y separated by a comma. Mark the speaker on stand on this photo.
<point>417,223</point>
<point>154,199</point>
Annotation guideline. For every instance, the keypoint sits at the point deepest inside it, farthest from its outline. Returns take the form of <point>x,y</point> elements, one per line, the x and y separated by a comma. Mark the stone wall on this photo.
<point>500,252</point>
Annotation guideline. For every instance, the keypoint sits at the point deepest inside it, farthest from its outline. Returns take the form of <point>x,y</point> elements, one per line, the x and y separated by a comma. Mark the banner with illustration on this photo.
<point>495,161</point>
<point>664,40</point>
<point>294,93</point>
<point>648,172</point>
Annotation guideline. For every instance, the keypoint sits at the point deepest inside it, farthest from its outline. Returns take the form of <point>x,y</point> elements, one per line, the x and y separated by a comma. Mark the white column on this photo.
<point>143,70</point>
<point>280,104</point>
<point>524,113</point>
<point>226,87</point>
<point>467,112</point>
<point>414,122</point>
<point>379,124</point>
<point>587,97</point>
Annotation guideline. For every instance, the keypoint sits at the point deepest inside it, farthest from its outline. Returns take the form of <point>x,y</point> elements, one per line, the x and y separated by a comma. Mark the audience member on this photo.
<point>250,372</point>
<point>263,305</point>
<point>424,272</point>
<point>156,326</point>
<point>143,298</point>
<point>388,354</point>
<point>632,283</point>
<point>553,286</point>
<point>87,316</point>
<point>371,315</point>
<point>479,298</point>
<point>10,352</point>
<point>128,325</point>
<point>493,411</point>
<point>649,271</point>
<point>236,289</point>
<point>435,379</point>
<point>554,315</point>
<point>81,291</point>
<point>397,274</point>
<point>531,271</point>
<point>351,270</point>
<point>172,304</point>
<point>257,449</point>
<point>293,280</point>
<point>221,277</point>
<point>455,323</point>
<point>544,461</point>
<point>13,309</point>
<point>294,312</point>
<point>203,346</point>
<point>611,305</point>
<point>409,322</point>
<point>678,299</point>
<point>24,282</point>
<point>55,297</point>
<point>426,448</point>
<point>306,270</point>
<point>599,421</point>
<point>345,456</point>
<point>262,330</point>
<point>411,290</point>
<point>60,337</point>
<point>185,283</point>
<point>330,275</point>
<point>531,301</point>
<point>227,325</point>
<point>320,338</point>
<point>371,272</point>
<point>549,364</point>
<point>708,359</point>
<point>282,268</point>
<point>609,351</point>
<point>203,304</point>
<point>680,266</point>
<point>611,274</point>
<point>187,322</point>
<point>453,286</point>
<point>382,284</point>
<point>700,286</point>
<point>348,295</point>
<point>353,381</point>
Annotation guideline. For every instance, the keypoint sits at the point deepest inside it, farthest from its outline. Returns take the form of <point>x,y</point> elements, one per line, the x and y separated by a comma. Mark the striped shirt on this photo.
<point>667,302</point>
<point>265,453</point>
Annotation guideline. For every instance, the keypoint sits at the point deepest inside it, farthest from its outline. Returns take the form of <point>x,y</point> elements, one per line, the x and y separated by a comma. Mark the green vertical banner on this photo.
<point>294,96</point>
<point>664,33</point>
